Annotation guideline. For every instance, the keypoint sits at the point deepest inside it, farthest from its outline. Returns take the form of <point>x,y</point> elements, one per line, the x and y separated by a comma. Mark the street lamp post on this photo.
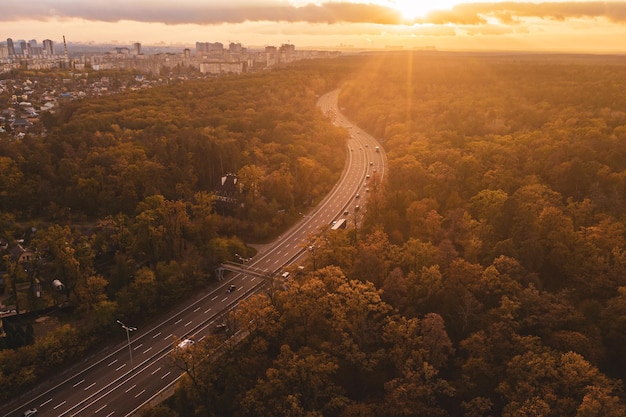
<point>128,330</point>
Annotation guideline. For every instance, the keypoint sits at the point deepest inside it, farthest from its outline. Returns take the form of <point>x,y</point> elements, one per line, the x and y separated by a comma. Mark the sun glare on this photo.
<point>412,9</point>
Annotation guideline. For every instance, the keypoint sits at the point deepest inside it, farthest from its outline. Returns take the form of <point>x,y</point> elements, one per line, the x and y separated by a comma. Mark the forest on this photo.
<point>487,276</point>
<point>120,202</point>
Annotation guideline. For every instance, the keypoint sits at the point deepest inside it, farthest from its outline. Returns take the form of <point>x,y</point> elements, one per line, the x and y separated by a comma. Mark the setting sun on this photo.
<point>412,9</point>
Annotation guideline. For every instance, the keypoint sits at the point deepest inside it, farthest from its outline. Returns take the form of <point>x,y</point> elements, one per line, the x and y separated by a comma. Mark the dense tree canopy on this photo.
<point>105,156</point>
<point>486,276</point>
<point>123,203</point>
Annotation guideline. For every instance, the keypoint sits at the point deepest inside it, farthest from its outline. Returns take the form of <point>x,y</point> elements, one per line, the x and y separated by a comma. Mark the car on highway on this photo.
<point>220,328</point>
<point>231,289</point>
<point>30,413</point>
<point>185,343</point>
<point>357,196</point>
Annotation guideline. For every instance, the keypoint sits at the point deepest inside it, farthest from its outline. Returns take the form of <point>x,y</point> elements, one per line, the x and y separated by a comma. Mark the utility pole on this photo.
<point>128,330</point>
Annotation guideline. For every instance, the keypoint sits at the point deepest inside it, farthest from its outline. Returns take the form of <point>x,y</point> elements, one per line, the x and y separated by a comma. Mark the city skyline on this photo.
<point>568,26</point>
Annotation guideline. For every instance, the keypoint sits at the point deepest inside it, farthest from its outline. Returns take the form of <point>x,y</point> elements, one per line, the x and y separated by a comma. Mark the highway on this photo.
<point>120,380</point>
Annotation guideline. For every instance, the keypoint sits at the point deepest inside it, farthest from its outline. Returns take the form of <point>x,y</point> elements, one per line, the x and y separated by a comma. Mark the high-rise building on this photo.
<point>287,48</point>
<point>235,48</point>
<point>24,47</point>
<point>10,47</point>
<point>209,47</point>
<point>136,48</point>
<point>48,47</point>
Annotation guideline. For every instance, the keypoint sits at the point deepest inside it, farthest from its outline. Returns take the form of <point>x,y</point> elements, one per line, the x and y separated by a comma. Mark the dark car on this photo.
<point>231,289</point>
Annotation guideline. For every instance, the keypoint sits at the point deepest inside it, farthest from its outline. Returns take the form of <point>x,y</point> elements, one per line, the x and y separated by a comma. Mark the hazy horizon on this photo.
<point>557,26</point>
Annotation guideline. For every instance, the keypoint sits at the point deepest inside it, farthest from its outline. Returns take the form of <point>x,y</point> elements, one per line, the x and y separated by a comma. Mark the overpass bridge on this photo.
<point>243,269</point>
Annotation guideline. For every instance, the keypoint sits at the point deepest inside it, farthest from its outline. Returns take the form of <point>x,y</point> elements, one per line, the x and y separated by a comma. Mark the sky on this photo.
<point>567,26</point>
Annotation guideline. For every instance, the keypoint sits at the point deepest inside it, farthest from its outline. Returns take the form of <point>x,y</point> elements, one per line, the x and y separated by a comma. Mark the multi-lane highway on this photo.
<point>120,380</point>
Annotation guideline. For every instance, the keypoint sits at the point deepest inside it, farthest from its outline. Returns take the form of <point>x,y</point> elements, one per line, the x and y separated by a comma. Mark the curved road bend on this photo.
<point>109,385</point>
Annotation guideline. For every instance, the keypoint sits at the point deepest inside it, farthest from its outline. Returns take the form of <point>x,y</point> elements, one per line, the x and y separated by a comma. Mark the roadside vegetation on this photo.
<point>487,275</point>
<point>122,202</point>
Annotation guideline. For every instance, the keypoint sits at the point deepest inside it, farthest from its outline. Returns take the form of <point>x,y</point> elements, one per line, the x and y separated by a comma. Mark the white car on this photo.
<point>185,343</point>
<point>30,413</point>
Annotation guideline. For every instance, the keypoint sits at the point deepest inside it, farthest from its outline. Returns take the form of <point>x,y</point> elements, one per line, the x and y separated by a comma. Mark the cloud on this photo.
<point>512,12</point>
<point>198,12</point>
<point>330,12</point>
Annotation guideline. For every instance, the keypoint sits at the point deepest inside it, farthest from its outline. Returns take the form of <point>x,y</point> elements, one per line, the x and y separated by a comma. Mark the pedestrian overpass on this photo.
<point>242,269</point>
